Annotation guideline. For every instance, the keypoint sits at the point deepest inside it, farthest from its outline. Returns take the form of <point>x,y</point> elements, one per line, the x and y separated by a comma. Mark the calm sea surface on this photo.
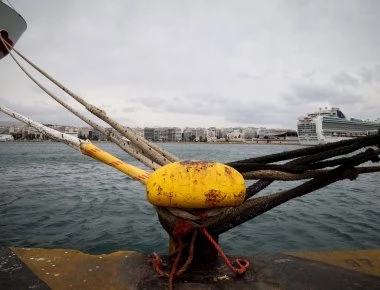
<point>52,196</point>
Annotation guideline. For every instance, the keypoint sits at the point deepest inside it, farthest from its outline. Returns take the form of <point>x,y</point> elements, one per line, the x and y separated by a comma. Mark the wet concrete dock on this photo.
<point>34,268</point>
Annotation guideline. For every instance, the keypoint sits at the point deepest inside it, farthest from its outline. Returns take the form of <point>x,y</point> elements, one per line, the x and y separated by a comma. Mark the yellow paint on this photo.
<point>91,150</point>
<point>71,269</point>
<point>365,261</point>
<point>196,184</point>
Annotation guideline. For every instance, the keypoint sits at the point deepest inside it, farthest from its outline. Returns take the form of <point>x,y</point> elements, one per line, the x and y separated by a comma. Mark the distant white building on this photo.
<point>90,133</point>
<point>250,133</point>
<point>6,137</point>
<point>212,134</point>
<point>72,131</point>
<point>139,131</point>
<point>25,132</point>
<point>195,134</point>
<point>163,134</point>
<point>236,135</point>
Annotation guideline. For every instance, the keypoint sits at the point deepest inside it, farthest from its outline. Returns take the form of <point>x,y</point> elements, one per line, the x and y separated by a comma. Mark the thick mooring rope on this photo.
<point>286,176</point>
<point>252,208</point>
<point>147,148</point>
<point>345,167</point>
<point>131,149</point>
<point>84,146</point>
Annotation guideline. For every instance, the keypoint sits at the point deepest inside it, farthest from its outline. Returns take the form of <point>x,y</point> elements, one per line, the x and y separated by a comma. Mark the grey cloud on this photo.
<point>245,75</point>
<point>345,80</point>
<point>309,75</point>
<point>370,75</point>
<point>238,112</point>
<point>149,101</point>
<point>189,103</point>
<point>263,114</point>
<point>128,110</point>
<point>190,110</point>
<point>321,93</point>
<point>198,104</point>
<point>206,98</point>
<point>42,113</point>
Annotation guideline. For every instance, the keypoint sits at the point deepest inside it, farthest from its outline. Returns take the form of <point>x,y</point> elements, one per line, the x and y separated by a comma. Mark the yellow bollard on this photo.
<point>187,184</point>
<point>196,184</point>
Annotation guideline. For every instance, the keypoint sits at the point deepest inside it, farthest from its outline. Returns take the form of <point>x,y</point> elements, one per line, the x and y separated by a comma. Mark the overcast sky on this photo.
<point>199,63</point>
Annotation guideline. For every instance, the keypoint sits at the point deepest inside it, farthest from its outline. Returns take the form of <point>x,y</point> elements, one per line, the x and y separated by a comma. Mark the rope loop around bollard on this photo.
<point>242,263</point>
<point>156,261</point>
<point>182,229</point>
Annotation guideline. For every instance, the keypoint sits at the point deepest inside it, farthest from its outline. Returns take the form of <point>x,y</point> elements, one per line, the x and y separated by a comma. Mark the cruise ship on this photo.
<point>331,125</point>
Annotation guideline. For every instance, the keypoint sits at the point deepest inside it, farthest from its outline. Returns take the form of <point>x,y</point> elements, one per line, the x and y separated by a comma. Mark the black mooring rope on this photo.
<point>298,161</point>
<point>254,207</point>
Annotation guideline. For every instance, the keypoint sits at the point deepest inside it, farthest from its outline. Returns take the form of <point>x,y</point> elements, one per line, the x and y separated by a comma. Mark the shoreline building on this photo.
<point>89,133</point>
<point>25,132</point>
<point>195,134</point>
<point>213,134</point>
<point>163,134</point>
<point>236,135</point>
<point>283,134</point>
<point>250,133</point>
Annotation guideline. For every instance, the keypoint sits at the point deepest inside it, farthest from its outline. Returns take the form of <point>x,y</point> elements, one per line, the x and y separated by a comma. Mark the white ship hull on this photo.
<point>325,140</point>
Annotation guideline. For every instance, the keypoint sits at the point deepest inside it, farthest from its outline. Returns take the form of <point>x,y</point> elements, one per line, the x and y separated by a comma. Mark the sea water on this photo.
<point>52,196</point>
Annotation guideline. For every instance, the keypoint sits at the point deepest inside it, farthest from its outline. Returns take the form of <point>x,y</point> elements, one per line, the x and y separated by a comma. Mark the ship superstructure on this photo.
<point>331,125</point>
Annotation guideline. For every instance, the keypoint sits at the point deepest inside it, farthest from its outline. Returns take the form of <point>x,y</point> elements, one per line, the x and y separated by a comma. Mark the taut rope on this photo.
<point>83,146</point>
<point>131,149</point>
<point>149,149</point>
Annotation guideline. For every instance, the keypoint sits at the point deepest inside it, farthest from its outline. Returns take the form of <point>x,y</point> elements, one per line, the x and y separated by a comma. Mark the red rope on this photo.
<point>181,229</point>
<point>191,255</point>
<point>175,264</point>
<point>242,263</point>
<point>156,261</point>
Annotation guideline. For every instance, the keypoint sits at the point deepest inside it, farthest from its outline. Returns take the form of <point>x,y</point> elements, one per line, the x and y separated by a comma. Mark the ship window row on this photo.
<point>340,122</point>
<point>307,130</point>
<point>307,133</point>
<point>344,134</point>
<point>352,126</point>
<point>349,127</point>
<point>309,125</point>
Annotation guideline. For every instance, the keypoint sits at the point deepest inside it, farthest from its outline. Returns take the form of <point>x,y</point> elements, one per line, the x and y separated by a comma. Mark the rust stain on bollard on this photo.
<point>196,184</point>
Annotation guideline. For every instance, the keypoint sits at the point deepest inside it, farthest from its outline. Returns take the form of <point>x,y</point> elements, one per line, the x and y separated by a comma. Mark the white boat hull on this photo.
<point>12,22</point>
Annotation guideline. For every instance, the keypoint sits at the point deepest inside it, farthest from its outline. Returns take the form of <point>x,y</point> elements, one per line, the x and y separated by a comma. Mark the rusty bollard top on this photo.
<point>196,184</point>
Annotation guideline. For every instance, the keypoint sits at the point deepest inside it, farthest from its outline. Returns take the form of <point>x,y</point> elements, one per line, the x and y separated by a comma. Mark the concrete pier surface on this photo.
<point>35,268</point>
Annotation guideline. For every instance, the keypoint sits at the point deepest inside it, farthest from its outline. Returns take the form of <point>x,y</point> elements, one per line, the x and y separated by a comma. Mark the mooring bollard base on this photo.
<point>204,253</point>
<point>71,269</point>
